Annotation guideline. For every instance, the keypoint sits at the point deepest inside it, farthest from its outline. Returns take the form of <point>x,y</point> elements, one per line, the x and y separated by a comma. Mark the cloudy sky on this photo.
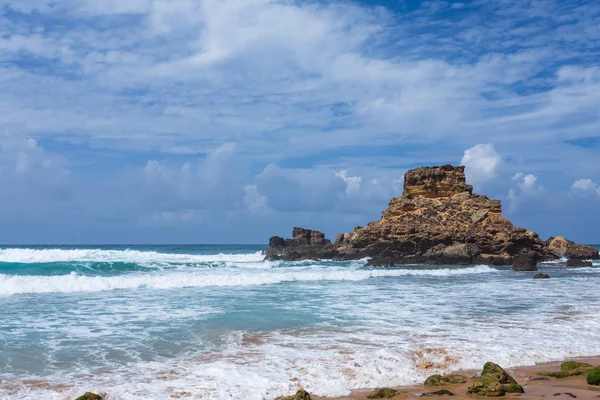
<point>228,121</point>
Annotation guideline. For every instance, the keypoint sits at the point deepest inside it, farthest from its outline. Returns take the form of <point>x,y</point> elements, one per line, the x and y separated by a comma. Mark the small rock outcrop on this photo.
<point>494,381</point>
<point>441,380</point>
<point>437,220</point>
<point>525,262</point>
<point>569,368</point>
<point>89,396</point>
<point>300,395</point>
<point>562,247</point>
<point>576,262</point>
<point>305,244</point>
<point>383,393</point>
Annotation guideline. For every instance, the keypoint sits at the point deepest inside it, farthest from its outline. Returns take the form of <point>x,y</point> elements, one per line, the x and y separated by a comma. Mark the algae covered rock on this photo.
<point>89,396</point>
<point>569,368</point>
<point>593,376</point>
<point>440,380</point>
<point>382,393</point>
<point>494,382</point>
<point>541,276</point>
<point>300,395</point>
<point>485,388</point>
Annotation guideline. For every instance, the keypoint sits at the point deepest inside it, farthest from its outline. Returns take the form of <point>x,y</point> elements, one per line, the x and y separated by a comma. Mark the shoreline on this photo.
<point>535,386</point>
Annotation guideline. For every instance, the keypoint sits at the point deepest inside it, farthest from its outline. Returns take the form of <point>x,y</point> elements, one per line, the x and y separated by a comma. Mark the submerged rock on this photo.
<point>383,393</point>
<point>569,368</point>
<point>300,395</point>
<point>440,380</point>
<point>89,396</point>
<point>494,381</point>
<point>541,276</point>
<point>525,262</point>
<point>437,220</point>
<point>593,376</point>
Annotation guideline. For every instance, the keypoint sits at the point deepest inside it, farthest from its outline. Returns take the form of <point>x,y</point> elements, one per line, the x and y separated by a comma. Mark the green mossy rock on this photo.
<point>569,368</point>
<point>483,387</point>
<point>434,380</point>
<point>89,396</point>
<point>497,373</point>
<point>513,388</point>
<point>494,382</point>
<point>300,395</point>
<point>382,393</point>
<point>593,376</point>
<point>571,365</point>
<point>439,380</point>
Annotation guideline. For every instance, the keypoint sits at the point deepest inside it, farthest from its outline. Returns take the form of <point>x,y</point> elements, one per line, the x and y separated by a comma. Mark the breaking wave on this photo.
<point>19,284</point>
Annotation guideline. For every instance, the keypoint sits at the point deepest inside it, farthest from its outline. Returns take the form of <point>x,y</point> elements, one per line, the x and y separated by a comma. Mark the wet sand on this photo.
<point>535,387</point>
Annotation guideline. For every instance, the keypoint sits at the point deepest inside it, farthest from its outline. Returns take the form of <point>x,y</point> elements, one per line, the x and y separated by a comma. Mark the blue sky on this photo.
<point>224,121</point>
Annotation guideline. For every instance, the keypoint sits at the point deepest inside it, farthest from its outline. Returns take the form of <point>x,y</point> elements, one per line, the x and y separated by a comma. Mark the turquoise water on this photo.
<point>217,321</point>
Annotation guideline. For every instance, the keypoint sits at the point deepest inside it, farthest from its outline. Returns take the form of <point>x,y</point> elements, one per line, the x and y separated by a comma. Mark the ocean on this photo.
<point>218,322</point>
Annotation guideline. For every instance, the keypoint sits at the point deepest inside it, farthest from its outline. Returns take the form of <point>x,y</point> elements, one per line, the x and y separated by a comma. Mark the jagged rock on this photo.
<point>569,368</point>
<point>437,220</point>
<point>525,262</point>
<point>383,393</point>
<point>593,376</point>
<point>562,247</point>
<point>300,395</point>
<point>89,396</point>
<point>494,381</point>
<point>440,380</point>
<point>541,276</point>
<point>306,244</point>
<point>576,262</point>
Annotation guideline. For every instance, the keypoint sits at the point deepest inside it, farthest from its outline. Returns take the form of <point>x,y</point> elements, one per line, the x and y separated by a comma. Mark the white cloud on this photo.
<point>586,186</point>
<point>352,182</point>
<point>481,162</point>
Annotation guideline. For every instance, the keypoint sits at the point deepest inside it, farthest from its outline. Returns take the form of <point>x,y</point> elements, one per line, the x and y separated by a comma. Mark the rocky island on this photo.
<point>437,220</point>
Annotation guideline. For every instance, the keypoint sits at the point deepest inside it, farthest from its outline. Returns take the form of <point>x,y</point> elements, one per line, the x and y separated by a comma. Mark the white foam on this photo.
<point>18,284</point>
<point>30,256</point>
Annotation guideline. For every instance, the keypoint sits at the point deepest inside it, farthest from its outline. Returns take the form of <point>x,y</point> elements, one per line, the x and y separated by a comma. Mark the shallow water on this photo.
<point>217,321</point>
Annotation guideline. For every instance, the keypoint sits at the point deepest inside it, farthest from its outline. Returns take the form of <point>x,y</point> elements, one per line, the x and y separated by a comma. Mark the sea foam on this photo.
<point>29,256</point>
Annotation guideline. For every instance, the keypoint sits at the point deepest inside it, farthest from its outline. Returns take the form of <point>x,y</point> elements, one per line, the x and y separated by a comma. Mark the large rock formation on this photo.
<point>437,220</point>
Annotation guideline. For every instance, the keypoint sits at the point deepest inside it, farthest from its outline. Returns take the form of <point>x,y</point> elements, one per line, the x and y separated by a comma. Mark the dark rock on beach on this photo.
<point>383,393</point>
<point>437,220</point>
<point>541,276</point>
<point>442,392</point>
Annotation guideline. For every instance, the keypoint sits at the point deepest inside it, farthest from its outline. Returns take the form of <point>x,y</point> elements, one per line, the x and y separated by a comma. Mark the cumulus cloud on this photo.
<point>586,186</point>
<point>481,163</point>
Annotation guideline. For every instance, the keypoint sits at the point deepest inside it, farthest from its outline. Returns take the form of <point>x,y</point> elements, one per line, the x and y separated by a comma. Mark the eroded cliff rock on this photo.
<point>437,220</point>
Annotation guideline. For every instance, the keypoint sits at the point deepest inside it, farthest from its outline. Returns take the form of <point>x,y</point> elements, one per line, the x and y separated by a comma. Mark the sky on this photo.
<point>229,121</point>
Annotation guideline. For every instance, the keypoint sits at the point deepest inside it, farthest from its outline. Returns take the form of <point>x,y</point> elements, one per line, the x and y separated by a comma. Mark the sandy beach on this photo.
<point>536,387</point>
